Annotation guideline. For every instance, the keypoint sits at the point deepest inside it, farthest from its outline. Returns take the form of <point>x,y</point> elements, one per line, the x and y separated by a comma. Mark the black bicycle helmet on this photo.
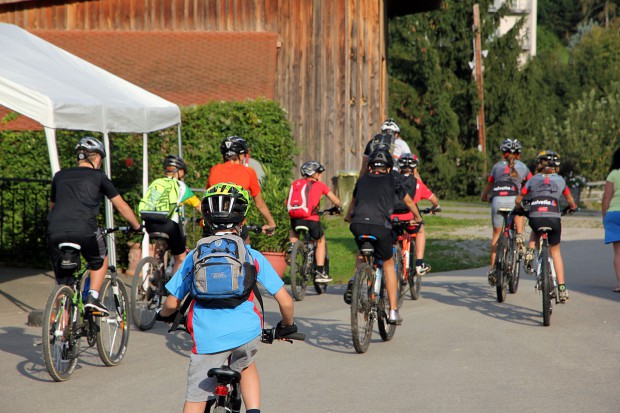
<point>408,160</point>
<point>510,146</point>
<point>174,163</point>
<point>234,145</point>
<point>89,145</point>
<point>225,205</point>
<point>549,159</point>
<point>310,167</point>
<point>380,157</point>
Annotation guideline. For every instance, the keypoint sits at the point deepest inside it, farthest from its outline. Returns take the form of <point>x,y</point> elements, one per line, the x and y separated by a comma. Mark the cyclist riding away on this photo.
<point>220,333</point>
<point>417,190</point>
<point>546,188</point>
<point>75,200</point>
<point>308,191</point>
<point>390,139</point>
<point>369,214</point>
<point>159,208</point>
<point>236,154</point>
<point>503,186</point>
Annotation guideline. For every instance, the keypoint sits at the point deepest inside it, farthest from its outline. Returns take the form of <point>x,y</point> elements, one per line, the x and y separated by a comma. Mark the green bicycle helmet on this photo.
<point>225,205</point>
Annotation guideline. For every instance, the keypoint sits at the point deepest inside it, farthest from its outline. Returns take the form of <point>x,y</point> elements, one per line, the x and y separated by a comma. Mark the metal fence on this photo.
<point>23,210</point>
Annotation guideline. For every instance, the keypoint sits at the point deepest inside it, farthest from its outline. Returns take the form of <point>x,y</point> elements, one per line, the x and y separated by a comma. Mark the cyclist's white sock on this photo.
<point>94,293</point>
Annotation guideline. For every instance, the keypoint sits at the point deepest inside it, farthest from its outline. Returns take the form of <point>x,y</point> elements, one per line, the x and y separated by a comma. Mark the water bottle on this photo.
<point>377,286</point>
<point>86,287</point>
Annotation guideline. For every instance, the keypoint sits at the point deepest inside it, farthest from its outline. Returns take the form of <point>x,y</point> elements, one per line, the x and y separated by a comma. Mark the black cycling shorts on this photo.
<point>92,247</point>
<point>176,239</point>
<point>386,238</point>
<point>315,227</point>
<point>554,223</point>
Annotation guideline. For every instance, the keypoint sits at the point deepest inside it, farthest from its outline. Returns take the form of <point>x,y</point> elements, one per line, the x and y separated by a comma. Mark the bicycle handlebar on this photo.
<point>126,230</point>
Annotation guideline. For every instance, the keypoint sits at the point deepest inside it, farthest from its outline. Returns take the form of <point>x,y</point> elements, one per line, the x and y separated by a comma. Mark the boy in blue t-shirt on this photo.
<point>220,333</point>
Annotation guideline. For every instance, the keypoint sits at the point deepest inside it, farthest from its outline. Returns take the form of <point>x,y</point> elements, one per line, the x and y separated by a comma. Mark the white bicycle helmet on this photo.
<point>391,126</point>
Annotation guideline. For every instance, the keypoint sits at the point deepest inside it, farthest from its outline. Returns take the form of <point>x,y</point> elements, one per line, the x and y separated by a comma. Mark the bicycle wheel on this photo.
<point>398,268</point>
<point>515,267</point>
<point>299,276</point>
<point>144,299</point>
<point>386,330</point>
<point>321,288</point>
<point>547,284</point>
<point>361,317</point>
<point>415,282</point>
<point>113,329</point>
<point>500,269</point>
<point>60,346</point>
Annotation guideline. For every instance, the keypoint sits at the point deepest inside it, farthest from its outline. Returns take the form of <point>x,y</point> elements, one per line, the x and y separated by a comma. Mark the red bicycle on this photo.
<point>405,257</point>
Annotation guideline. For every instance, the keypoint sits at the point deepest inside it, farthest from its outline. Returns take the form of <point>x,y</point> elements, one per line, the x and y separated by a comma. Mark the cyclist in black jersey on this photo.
<point>369,214</point>
<point>75,200</point>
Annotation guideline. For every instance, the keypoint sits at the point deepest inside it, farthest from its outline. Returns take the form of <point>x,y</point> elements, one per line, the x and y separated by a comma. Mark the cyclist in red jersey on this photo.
<point>408,164</point>
<point>236,153</point>
<point>311,171</point>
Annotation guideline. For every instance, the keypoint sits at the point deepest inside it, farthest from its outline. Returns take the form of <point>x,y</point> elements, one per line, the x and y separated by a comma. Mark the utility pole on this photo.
<point>482,147</point>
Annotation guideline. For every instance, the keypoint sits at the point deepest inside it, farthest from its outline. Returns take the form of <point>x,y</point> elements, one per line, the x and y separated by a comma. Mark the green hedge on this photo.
<point>262,123</point>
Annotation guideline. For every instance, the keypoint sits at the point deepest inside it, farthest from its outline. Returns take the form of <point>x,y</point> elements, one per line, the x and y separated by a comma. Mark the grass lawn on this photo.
<point>446,248</point>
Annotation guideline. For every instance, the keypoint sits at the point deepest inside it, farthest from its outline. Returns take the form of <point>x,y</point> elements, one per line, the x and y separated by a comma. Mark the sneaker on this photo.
<point>491,277</point>
<point>529,257</point>
<point>520,244</point>
<point>321,277</point>
<point>94,304</point>
<point>563,295</point>
<point>348,292</point>
<point>394,318</point>
<point>422,269</point>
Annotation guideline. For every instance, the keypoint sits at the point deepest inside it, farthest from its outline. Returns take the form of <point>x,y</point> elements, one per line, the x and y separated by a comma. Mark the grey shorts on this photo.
<point>497,203</point>
<point>200,388</point>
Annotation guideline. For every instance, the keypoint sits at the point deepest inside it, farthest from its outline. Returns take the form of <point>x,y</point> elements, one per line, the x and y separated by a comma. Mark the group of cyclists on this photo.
<point>389,186</point>
<point>509,182</point>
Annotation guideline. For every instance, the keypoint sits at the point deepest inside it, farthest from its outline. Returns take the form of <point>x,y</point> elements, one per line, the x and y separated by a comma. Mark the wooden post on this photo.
<point>479,82</point>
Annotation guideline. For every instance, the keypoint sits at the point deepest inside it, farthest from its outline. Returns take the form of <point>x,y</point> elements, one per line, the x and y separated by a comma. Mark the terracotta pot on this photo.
<point>276,259</point>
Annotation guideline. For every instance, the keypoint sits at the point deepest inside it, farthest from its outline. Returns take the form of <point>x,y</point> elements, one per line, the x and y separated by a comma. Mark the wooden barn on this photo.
<point>324,61</point>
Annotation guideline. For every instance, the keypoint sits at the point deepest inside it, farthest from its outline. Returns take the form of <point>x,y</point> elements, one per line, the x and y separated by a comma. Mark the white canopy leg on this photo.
<point>52,149</point>
<point>109,211</point>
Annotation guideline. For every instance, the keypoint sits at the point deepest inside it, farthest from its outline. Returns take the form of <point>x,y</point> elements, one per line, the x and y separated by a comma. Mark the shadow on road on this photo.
<point>479,299</point>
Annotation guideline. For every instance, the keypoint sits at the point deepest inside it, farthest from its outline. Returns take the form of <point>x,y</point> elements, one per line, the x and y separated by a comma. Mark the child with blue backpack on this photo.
<point>225,323</point>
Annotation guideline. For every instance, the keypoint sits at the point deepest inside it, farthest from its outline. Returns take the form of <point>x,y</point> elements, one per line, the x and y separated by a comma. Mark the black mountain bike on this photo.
<point>369,299</point>
<point>546,281</point>
<point>507,265</point>
<point>65,320</point>
<point>303,262</point>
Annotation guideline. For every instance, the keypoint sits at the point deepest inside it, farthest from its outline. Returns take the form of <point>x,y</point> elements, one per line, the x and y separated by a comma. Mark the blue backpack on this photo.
<point>224,272</point>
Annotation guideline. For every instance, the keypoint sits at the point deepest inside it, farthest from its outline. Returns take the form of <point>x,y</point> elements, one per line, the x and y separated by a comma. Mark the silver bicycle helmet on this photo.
<point>89,145</point>
<point>174,162</point>
<point>310,167</point>
<point>510,146</point>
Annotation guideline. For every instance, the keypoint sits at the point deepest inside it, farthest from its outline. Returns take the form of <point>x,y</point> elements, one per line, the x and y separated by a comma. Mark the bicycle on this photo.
<point>227,390</point>
<point>303,261</point>
<point>148,289</point>
<point>546,280</point>
<point>405,256</point>
<point>65,321</point>
<point>507,266</point>
<point>369,299</point>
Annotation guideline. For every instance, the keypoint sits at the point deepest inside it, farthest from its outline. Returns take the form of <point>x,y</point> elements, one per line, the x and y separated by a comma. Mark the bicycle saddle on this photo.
<point>158,235</point>
<point>300,228</point>
<point>225,374</point>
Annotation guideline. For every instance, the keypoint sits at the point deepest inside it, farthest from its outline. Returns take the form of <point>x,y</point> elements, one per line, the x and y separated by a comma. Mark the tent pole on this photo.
<point>52,149</point>
<point>145,186</point>
<point>180,143</point>
<point>109,216</point>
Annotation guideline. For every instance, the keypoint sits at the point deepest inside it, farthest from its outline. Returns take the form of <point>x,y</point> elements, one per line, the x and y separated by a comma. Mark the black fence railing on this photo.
<point>23,211</point>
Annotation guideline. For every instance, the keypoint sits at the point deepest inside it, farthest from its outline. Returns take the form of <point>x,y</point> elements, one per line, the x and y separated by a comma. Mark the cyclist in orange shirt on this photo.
<point>236,153</point>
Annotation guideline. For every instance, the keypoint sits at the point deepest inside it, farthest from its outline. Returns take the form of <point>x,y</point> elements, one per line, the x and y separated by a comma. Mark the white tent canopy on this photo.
<point>62,91</point>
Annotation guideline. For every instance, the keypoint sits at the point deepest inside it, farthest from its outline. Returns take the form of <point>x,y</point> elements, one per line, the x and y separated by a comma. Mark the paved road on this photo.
<point>458,350</point>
